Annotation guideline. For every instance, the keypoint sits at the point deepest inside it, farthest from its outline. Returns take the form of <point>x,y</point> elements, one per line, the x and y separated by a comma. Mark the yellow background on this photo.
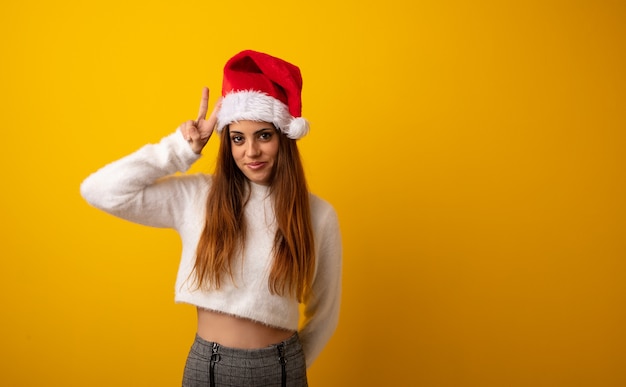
<point>473,150</point>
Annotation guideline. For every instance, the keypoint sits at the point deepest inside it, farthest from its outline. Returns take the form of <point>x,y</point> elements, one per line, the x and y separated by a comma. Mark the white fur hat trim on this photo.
<point>256,106</point>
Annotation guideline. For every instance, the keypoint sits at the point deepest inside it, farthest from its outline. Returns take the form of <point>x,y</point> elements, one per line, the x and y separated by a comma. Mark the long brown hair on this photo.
<point>225,227</point>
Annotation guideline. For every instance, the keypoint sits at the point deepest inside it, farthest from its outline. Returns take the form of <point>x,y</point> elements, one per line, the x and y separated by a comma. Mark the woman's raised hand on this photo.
<point>198,132</point>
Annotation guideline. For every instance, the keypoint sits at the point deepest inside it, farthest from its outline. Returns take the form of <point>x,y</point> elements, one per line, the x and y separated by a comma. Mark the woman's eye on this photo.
<point>237,139</point>
<point>265,135</point>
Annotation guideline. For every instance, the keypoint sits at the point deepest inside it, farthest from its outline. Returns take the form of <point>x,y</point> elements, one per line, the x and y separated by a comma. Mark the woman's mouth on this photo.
<point>256,165</point>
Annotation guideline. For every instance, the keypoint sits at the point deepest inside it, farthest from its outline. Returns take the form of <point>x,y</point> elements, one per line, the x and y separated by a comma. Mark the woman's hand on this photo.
<point>198,132</point>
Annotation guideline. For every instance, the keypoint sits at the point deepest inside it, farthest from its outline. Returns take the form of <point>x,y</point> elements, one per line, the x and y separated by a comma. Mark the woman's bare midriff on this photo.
<point>236,332</point>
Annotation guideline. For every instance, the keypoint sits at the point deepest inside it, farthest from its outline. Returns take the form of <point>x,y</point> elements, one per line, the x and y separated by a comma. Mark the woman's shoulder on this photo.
<point>325,224</point>
<point>189,178</point>
<point>191,183</point>
<point>319,202</point>
<point>321,210</point>
<point>195,178</point>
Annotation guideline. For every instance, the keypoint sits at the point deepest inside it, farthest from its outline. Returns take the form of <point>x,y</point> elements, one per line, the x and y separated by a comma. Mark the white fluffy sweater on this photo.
<point>144,187</point>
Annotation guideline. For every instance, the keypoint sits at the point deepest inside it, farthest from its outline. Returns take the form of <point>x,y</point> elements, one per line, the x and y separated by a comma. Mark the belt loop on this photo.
<point>215,357</point>
<point>283,362</point>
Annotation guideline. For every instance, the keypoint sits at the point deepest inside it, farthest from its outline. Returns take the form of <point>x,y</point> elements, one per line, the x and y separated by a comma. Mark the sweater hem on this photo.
<point>287,327</point>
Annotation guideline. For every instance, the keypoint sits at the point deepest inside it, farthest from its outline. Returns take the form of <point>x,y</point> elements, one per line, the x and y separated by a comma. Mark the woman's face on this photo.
<point>254,146</point>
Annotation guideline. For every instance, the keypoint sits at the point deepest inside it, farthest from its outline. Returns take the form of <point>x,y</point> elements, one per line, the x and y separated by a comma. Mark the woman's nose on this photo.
<point>253,149</point>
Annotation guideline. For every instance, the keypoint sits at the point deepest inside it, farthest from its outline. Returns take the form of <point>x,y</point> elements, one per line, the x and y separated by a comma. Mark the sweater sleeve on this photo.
<point>139,187</point>
<point>321,311</point>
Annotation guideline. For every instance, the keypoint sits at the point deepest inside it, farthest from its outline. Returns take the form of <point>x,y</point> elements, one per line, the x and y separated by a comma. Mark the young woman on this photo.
<point>255,243</point>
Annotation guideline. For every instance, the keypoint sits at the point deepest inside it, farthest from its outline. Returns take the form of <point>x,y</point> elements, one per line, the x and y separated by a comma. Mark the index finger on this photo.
<point>204,104</point>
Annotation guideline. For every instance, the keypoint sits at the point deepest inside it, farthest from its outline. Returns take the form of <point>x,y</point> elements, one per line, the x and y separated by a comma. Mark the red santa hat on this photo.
<point>260,87</point>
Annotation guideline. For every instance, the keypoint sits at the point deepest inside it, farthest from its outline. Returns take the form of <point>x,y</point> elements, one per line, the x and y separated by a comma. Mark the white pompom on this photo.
<point>298,128</point>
